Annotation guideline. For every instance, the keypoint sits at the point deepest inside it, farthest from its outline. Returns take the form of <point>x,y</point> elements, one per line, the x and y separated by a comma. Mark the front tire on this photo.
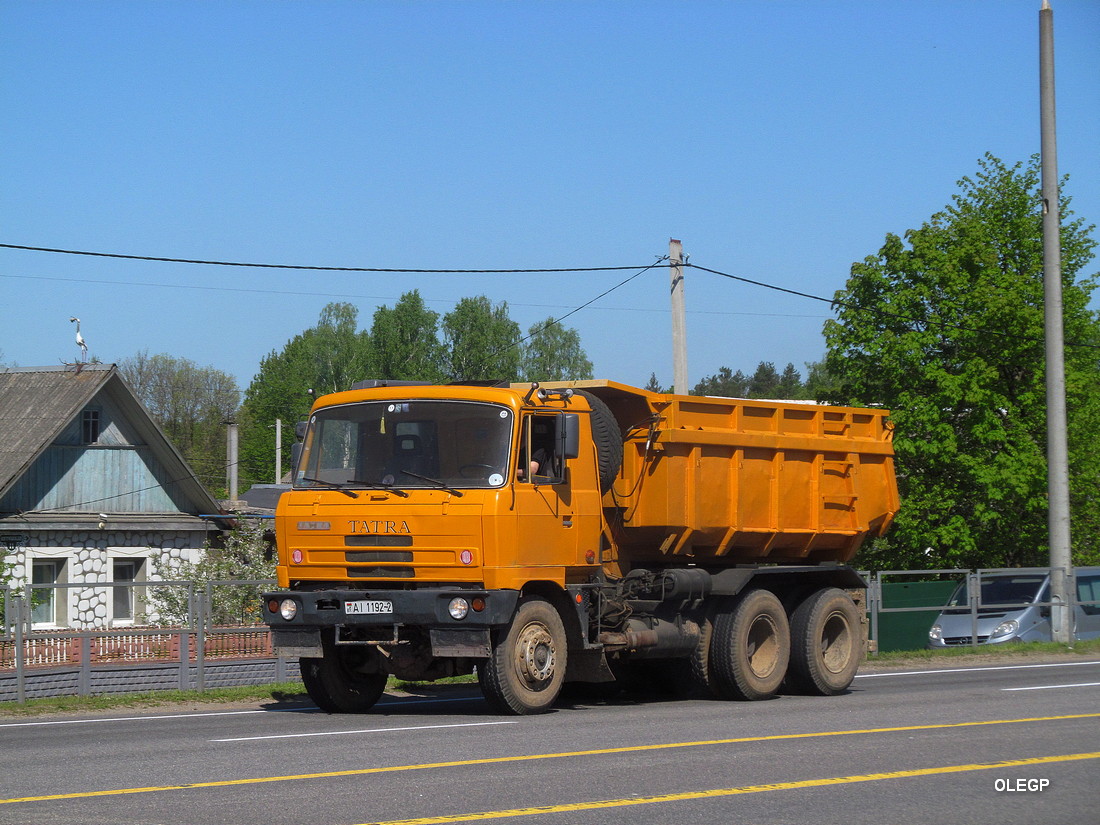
<point>524,673</point>
<point>750,647</point>
<point>349,679</point>
<point>827,647</point>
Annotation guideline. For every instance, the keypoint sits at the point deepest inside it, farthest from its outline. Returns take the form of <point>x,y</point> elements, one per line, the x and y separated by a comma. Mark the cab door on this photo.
<point>544,502</point>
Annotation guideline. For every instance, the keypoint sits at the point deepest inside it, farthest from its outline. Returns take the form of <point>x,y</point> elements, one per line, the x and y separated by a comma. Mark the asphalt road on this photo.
<point>1000,744</point>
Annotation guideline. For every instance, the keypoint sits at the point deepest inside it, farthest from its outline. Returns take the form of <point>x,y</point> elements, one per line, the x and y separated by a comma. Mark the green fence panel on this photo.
<point>909,630</point>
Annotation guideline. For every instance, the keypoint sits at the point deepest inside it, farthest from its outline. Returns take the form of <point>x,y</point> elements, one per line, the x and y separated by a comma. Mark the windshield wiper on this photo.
<point>332,485</point>
<point>381,485</point>
<point>343,488</point>
<point>435,481</point>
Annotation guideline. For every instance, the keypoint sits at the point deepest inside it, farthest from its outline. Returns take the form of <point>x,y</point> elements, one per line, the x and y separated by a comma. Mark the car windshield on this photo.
<point>404,444</point>
<point>1000,591</point>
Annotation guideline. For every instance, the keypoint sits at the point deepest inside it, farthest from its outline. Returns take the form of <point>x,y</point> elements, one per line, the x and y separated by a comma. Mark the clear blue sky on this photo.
<point>780,141</point>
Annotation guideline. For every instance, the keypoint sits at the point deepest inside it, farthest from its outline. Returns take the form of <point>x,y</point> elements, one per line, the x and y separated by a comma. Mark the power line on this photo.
<point>885,313</point>
<point>312,268</point>
<point>346,295</point>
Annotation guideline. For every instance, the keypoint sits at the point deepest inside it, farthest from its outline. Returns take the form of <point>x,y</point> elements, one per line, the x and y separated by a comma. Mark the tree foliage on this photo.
<point>405,342</point>
<point>244,555</point>
<point>477,340</point>
<point>553,352</point>
<point>190,403</point>
<point>481,340</point>
<point>325,358</point>
<point>945,327</point>
<point>765,382</point>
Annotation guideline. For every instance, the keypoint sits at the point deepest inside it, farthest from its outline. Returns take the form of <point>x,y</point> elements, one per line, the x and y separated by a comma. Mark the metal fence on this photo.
<point>179,638</point>
<point>882,609</point>
<point>195,635</point>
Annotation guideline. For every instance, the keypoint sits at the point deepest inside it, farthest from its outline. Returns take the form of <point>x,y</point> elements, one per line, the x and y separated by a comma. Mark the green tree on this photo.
<point>245,554</point>
<point>554,353</point>
<point>820,384</point>
<point>725,384</point>
<point>653,385</point>
<point>764,382</point>
<point>945,328</point>
<point>405,342</point>
<point>482,341</point>
<point>328,357</point>
<point>190,403</point>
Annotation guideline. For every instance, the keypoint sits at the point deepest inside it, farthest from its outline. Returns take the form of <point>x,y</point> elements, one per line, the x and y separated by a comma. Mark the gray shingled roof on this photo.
<point>37,403</point>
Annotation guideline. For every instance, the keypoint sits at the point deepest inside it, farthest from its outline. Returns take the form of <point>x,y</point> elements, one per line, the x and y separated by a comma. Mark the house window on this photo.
<point>125,602</point>
<point>89,427</point>
<point>44,600</point>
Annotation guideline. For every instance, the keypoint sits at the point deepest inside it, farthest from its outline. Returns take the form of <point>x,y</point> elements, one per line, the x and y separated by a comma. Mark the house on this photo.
<point>91,492</point>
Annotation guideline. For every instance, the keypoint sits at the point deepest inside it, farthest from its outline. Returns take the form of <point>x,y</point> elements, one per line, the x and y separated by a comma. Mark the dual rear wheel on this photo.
<point>755,649</point>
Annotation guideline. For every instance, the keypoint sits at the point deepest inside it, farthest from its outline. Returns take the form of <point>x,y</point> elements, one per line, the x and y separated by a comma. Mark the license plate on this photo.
<point>365,607</point>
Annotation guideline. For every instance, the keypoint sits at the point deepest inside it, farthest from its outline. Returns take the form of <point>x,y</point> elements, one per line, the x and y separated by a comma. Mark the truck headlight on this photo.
<point>936,633</point>
<point>458,608</point>
<point>1008,628</point>
<point>288,609</point>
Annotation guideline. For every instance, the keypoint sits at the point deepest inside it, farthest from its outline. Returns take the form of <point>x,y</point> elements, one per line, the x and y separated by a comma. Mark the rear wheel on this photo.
<point>524,673</point>
<point>349,679</point>
<point>826,643</point>
<point>750,647</point>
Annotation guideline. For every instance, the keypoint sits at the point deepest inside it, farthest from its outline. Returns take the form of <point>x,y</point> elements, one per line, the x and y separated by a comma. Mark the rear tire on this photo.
<point>750,647</point>
<point>349,679</point>
<point>826,644</point>
<point>524,673</point>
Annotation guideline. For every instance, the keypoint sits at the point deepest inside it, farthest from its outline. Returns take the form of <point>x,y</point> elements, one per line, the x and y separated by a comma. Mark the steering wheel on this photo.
<point>476,470</point>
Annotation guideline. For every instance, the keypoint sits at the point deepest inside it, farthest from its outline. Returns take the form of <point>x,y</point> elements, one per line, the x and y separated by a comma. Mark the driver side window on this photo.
<point>538,459</point>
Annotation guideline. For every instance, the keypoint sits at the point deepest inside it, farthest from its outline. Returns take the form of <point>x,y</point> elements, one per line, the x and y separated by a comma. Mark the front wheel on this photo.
<point>349,679</point>
<point>524,673</point>
<point>826,643</point>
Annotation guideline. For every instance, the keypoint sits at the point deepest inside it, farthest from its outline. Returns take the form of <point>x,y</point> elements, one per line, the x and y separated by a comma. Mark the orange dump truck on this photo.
<point>581,531</point>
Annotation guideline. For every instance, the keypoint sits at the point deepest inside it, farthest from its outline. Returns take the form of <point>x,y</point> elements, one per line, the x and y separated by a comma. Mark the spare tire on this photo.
<point>608,438</point>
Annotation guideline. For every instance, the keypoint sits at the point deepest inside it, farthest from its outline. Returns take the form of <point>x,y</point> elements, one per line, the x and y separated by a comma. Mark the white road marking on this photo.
<point>1055,687</point>
<point>366,730</point>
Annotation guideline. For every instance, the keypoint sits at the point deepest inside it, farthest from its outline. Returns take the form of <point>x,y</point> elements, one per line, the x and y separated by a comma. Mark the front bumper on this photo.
<point>425,610</point>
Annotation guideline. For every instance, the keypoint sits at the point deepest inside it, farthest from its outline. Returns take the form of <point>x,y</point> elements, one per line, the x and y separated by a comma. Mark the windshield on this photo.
<point>999,591</point>
<point>415,443</point>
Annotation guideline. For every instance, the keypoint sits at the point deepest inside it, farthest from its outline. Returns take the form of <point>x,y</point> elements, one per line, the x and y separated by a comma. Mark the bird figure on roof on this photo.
<point>80,341</point>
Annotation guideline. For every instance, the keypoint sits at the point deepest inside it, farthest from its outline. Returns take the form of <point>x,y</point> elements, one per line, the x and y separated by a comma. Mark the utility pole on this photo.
<point>278,449</point>
<point>679,328</point>
<point>231,451</point>
<point>1057,452</point>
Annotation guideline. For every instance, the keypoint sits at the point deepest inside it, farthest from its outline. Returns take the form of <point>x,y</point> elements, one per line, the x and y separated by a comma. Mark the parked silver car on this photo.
<point>1015,607</point>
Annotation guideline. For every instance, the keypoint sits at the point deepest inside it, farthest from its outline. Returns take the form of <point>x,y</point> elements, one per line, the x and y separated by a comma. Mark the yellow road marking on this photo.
<point>537,756</point>
<point>718,792</point>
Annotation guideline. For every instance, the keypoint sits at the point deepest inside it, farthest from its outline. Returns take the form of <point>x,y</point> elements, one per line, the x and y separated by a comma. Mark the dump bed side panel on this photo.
<point>723,481</point>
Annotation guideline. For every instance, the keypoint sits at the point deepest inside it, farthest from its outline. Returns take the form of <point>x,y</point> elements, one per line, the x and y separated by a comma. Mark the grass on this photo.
<point>1090,647</point>
<point>282,692</point>
<point>294,692</point>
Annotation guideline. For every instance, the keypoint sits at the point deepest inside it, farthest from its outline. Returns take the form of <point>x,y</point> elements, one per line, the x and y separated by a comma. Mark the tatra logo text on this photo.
<point>379,526</point>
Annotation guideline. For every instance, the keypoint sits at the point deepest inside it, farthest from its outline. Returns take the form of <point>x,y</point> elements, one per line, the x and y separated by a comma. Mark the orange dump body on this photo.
<point>719,482</point>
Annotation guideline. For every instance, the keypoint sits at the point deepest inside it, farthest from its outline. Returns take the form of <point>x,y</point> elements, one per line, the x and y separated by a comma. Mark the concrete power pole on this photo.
<point>231,450</point>
<point>679,328</point>
<point>278,450</point>
<point>1057,452</point>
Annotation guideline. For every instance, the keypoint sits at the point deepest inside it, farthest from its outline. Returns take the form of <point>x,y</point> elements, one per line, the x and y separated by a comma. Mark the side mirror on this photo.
<point>569,435</point>
<point>300,430</point>
<point>295,457</point>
